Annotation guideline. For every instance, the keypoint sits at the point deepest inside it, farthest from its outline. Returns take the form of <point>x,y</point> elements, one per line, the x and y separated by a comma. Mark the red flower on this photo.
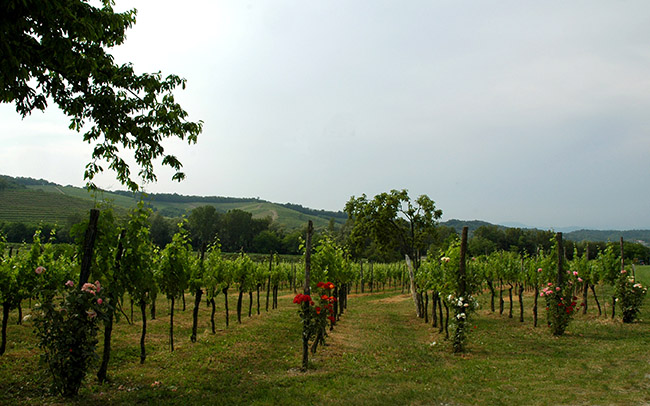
<point>324,297</point>
<point>568,310</point>
<point>317,310</point>
<point>330,285</point>
<point>573,303</point>
<point>560,304</point>
<point>332,319</point>
<point>300,298</point>
<point>311,302</point>
<point>320,285</point>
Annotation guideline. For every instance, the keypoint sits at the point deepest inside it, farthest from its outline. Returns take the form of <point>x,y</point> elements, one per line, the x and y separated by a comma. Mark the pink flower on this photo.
<point>549,284</point>
<point>541,294</point>
<point>539,269</point>
<point>623,271</point>
<point>575,273</point>
<point>91,313</point>
<point>39,270</point>
<point>100,301</point>
<point>579,279</point>
<point>557,289</point>
<point>99,286</point>
<point>69,283</point>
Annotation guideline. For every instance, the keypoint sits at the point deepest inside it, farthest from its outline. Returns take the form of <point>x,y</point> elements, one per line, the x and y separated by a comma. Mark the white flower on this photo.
<point>450,297</point>
<point>433,343</point>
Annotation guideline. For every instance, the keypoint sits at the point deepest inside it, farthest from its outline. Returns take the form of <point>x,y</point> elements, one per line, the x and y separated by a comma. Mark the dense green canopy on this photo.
<point>56,51</point>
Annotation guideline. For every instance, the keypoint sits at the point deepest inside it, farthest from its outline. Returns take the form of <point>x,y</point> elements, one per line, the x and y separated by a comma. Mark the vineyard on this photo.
<point>173,326</point>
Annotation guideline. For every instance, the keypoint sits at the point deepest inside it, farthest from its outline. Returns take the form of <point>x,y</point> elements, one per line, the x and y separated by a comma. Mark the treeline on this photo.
<point>487,239</point>
<point>313,212</point>
<point>236,230</point>
<point>176,198</point>
<point>9,182</point>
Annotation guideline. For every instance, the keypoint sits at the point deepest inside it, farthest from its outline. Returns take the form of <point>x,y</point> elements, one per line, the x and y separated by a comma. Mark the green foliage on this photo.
<point>138,259</point>
<point>172,275</point>
<point>393,222</point>
<point>67,334</point>
<point>58,51</point>
<point>630,295</point>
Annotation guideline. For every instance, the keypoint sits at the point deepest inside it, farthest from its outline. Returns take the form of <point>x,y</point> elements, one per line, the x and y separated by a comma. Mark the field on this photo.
<point>379,353</point>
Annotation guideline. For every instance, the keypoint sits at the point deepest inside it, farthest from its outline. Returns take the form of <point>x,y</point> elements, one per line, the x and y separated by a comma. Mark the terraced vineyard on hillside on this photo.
<point>35,206</point>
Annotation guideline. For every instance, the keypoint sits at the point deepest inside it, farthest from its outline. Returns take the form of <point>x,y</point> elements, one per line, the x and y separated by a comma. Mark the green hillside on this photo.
<point>35,206</point>
<point>31,201</point>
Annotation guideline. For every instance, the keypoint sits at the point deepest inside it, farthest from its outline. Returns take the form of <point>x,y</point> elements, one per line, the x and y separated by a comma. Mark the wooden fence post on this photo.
<point>88,247</point>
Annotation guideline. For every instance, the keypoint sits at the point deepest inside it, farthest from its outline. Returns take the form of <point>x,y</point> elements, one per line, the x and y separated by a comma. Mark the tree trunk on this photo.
<point>183,296</point>
<point>510,296</point>
<point>171,326</point>
<point>440,314</point>
<point>434,302</point>
<point>214,309</point>
<point>108,325</point>
<point>20,313</point>
<point>258,299</point>
<point>492,295</point>
<point>535,306</point>
<point>195,313</point>
<point>521,302</point>
<point>501,302</point>
<point>250,303</point>
<point>446,320</point>
<point>268,292</point>
<point>143,310</point>
<point>106,354</point>
<point>225,295</point>
<point>593,291</point>
<point>5,320</point>
<point>426,307</point>
<point>613,307</point>
<point>413,286</point>
<point>239,300</point>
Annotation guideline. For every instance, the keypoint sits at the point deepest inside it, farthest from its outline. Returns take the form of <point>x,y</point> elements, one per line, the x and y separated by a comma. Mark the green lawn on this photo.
<point>379,353</point>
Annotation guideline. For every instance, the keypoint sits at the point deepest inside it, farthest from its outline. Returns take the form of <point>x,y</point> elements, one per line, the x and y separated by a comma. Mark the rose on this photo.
<point>69,284</point>
<point>39,270</point>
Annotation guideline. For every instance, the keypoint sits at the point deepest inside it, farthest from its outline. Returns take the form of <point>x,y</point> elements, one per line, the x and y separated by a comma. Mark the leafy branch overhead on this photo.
<point>57,51</point>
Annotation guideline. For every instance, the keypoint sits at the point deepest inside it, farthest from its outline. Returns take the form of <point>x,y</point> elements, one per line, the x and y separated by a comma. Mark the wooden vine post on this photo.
<point>306,291</point>
<point>89,246</point>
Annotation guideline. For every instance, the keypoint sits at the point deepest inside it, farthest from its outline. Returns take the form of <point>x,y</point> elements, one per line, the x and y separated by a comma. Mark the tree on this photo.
<point>393,221</point>
<point>58,51</point>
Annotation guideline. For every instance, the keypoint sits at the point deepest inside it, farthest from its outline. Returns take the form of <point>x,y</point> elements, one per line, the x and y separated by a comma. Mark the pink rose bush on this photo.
<point>67,331</point>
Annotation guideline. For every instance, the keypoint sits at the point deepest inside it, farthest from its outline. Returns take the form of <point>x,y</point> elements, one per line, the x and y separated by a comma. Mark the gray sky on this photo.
<point>504,111</point>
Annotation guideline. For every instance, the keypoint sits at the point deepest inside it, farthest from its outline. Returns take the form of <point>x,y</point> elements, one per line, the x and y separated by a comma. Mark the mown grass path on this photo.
<point>378,354</point>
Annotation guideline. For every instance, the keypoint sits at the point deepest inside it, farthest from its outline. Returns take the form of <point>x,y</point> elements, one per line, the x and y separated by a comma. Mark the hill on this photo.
<point>36,200</point>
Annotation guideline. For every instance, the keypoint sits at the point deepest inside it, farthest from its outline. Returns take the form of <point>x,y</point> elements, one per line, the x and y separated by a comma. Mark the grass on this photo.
<point>379,353</point>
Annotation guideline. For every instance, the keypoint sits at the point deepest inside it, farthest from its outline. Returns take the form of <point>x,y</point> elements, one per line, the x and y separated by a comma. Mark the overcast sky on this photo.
<point>504,111</point>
